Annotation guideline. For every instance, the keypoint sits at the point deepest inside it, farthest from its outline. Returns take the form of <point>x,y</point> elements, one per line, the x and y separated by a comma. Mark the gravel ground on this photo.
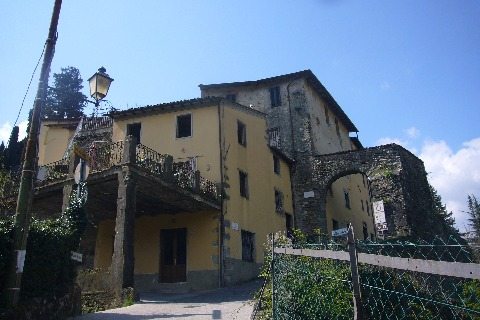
<point>225,303</point>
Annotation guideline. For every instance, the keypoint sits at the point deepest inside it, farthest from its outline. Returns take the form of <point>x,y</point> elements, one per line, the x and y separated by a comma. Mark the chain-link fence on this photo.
<point>400,280</point>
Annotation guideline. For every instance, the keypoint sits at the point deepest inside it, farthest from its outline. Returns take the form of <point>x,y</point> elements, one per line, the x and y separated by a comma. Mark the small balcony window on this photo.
<point>276,164</point>
<point>278,201</point>
<point>242,133</point>
<point>243,184</point>
<point>134,129</point>
<point>275,98</point>
<point>347,200</point>
<point>184,126</point>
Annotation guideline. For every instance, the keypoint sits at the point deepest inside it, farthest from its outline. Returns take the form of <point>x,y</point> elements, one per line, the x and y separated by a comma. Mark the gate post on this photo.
<point>357,295</point>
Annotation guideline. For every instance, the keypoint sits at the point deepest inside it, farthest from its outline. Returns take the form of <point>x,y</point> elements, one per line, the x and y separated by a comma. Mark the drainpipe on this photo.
<point>221,223</point>
<point>294,155</point>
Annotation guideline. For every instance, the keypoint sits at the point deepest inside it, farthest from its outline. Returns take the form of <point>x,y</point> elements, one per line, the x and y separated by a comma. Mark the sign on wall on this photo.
<point>379,214</point>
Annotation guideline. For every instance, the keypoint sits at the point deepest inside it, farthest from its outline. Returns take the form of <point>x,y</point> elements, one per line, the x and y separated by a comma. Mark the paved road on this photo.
<point>226,303</point>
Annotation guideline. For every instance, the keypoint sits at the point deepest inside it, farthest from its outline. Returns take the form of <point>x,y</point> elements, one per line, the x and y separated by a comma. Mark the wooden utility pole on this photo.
<point>26,189</point>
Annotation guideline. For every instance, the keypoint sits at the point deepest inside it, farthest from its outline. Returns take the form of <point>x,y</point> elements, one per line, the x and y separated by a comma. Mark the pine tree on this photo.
<point>65,99</point>
<point>2,156</point>
<point>474,212</point>
<point>13,152</point>
<point>442,222</point>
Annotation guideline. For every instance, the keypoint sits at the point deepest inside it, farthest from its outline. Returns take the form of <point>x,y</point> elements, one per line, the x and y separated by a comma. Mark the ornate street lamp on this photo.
<point>99,85</point>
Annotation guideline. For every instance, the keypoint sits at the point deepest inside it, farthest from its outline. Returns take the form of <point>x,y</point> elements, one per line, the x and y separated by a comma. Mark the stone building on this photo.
<point>304,121</point>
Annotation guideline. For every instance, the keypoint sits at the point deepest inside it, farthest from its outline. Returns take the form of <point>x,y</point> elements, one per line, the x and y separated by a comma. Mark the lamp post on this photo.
<point>99,84</point>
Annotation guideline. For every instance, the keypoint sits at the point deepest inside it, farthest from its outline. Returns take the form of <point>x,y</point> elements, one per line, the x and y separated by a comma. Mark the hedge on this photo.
<point>48,271</point>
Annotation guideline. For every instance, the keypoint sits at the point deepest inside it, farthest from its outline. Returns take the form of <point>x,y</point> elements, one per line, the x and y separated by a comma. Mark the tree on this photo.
<point>442,222</point>
<point>12,154</point>
<point>474,212</point>
<point>65,99</point>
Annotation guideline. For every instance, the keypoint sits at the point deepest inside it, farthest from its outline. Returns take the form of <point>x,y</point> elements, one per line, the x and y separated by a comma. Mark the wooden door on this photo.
<point>173,255</point>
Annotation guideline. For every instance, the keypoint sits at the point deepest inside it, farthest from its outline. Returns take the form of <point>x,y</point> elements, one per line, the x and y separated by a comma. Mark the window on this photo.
<point>243,184</point>
<point>232,97</point>
<point>347,199</point>
<point>274,138</point>
<point>337,127</point>
<point>248,246</point>
<point>184,126</point>
<point>327,116</point>
<point>289,224</point>
<point>365,231</point>
<point>363,208</point>
<point>275,99</point>
<point>242,133</point>
<point>278,201</point>
<point>368,207</point>
<point>334,224</point>
<point>276,164</point>
<point>134,129</point>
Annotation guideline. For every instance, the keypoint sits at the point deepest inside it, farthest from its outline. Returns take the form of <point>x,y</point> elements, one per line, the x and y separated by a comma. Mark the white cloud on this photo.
<point>6,130</point>
<point>388,140</point>
<point>412,132</point>
<point>22,127</point>
<point>454,174</point>
<point>402,142</point>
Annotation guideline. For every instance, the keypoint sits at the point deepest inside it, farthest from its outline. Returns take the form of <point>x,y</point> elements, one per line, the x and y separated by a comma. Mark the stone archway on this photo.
<point>397,177</point>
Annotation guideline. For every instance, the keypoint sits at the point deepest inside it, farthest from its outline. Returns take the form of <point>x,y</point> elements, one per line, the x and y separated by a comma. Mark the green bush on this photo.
<point>49,270</point>
<point>305,287</point>
<point>6,247</point>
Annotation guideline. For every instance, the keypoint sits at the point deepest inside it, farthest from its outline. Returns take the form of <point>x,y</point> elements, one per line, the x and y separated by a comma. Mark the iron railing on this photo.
<point>209,188</point>
<point>96,123</point>
<point>274,140</point>
<point>106,156</point>
<point>52,172</point>
<point>184,174</point>
<point>150,160</point>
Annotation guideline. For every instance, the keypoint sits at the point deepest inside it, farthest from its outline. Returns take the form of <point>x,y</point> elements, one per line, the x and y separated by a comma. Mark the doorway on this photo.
<point>173,255</point>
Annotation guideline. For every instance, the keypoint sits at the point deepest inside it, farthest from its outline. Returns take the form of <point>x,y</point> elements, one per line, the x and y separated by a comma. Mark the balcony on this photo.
<point>162,185</point>
<point>274,140</point>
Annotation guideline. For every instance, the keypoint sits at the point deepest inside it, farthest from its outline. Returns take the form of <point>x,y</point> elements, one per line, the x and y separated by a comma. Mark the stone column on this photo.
<point>123,260</point>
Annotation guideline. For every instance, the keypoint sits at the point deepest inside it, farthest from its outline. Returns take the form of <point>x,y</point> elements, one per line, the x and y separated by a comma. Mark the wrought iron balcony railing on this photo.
<point>96,123</point>
<point>107,156</point>
<point>274,140</point>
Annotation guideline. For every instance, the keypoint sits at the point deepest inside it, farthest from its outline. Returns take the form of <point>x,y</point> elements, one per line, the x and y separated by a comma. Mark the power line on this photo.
<point>31,78</point>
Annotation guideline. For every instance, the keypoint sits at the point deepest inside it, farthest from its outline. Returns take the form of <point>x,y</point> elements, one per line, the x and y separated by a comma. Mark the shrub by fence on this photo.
<point>401,280</point>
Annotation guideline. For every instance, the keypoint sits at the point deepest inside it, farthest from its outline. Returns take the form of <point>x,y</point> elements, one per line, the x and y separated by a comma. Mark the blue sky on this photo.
<point>404,71</point>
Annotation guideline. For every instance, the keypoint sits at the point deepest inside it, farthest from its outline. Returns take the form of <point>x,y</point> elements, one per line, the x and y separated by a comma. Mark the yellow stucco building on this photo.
<point>198,180</point>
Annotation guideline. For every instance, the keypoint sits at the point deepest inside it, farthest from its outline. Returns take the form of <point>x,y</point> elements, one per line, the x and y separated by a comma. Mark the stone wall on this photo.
<point>397,177</point>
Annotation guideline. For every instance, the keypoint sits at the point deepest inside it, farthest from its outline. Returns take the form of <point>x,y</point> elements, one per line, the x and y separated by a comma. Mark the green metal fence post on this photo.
<point>273,276</point>
<point>357,296</point>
